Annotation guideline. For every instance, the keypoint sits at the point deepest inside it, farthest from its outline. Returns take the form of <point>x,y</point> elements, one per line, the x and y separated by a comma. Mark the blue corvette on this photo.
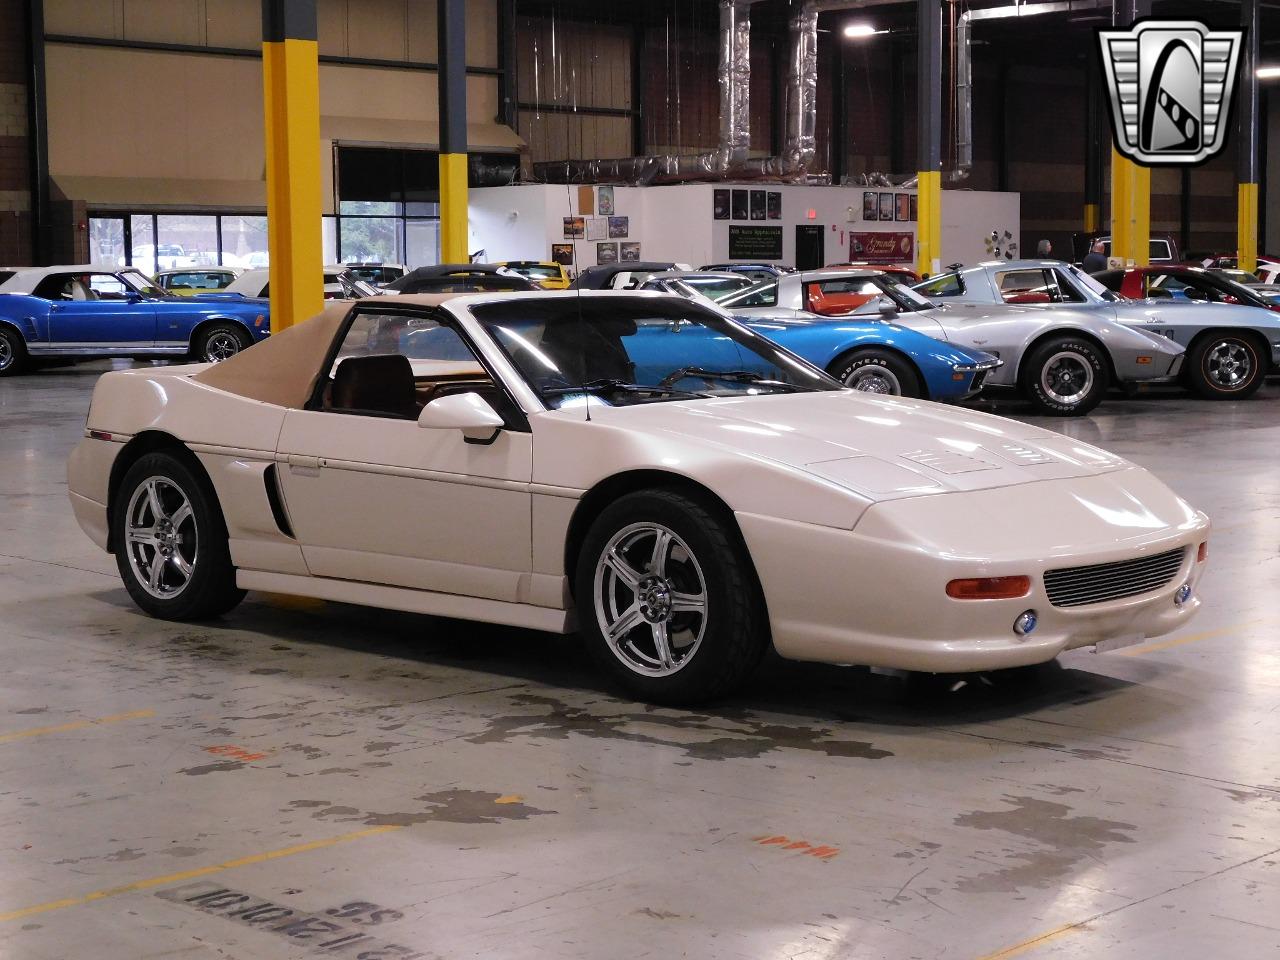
<point>87,312</point>
<point>864,354</point>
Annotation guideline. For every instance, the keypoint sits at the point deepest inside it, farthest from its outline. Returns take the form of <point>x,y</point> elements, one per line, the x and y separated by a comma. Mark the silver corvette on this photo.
<point>1230,347</point>
<point>1062,359</point>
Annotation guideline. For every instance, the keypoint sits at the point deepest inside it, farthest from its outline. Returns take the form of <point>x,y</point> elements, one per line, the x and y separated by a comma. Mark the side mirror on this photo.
<point>468,412</point>
<point>888,309</point>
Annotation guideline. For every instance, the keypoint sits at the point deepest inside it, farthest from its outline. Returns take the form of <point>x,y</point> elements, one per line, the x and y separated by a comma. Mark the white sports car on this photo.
<point>632,465</point>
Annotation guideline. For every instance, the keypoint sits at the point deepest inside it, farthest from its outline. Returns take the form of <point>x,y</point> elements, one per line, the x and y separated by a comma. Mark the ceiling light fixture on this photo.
<point>1267,73</point>
<point>858,31</point>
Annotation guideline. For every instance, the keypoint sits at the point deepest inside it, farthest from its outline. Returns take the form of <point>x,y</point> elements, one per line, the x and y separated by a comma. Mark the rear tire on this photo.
<point>221,341</point>
<point>170,541</point>
<point>877,371</point>
<point>1065,376</point>
<point>13,352</point>
<point>1227,366</point>
<point>683,630</point>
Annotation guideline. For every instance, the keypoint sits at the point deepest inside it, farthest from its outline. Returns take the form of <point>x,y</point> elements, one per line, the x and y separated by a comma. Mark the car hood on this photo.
<point>860,327</point>
<point>880,447</point>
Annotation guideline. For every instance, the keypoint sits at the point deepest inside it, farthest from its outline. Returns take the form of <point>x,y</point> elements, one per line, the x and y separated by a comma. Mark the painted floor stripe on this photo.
<point>1190,638</point>
<point>76,725</point>
<point>192,874</point>
<point>1020,948</point>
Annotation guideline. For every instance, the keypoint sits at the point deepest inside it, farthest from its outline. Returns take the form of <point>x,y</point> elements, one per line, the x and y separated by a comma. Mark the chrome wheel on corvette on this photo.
<point>1066,378</point>
<point>667,597</point>
<point>650,599</point>
<point>1226,366</point>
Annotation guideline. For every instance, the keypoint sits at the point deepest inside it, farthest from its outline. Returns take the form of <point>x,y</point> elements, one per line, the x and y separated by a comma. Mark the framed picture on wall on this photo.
<point>562,253</point>
<point>775,205</point>
<point>597,228</point>
<point>914,208</point>
<point>741,208</point>
<point>631,250</point>
<point>606,253</point>
<point>604,201</point>
<point>720,204</point>
<point>902,206</point>
<point>575,228</point>
<point>886,206</point>
<point>619,227</point>
<point>586,200</point>
<point>757,205</point>
<point>870,206</point>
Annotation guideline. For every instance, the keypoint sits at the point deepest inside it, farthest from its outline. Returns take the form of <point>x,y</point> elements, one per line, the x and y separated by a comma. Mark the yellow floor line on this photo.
<point>1020,948</point>
<point>76,725</point>
<point>1190,638</point>
<point>191,874</point>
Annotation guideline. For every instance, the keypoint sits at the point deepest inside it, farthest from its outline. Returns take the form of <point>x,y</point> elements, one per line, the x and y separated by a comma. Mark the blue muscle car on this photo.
<point>88,312</point>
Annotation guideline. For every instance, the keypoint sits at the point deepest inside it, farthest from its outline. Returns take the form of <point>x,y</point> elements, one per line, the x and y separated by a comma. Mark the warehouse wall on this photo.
<point>15,184</point>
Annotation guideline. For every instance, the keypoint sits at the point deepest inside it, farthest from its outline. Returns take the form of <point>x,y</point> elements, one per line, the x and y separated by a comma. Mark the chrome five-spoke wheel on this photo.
<point>221,345</point>
<point>161,537</point>
<point>1228,365</point>
<point>650,599</point>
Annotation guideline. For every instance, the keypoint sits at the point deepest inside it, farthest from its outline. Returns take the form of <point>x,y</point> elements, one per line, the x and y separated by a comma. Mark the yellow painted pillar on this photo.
<point>1130,210</point>
<point>929,223</point>
<point>291,87</point>
<point>1247,226</point>
<point>451,19</point>
<point>929,136</point>
<point>1092,217</point>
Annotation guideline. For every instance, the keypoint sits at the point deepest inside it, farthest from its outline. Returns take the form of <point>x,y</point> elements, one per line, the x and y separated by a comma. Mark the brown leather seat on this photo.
<point>378,386</point>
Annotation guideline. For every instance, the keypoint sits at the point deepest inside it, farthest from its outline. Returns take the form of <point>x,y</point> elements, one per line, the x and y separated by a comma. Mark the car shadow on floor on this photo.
<point>809,692</point>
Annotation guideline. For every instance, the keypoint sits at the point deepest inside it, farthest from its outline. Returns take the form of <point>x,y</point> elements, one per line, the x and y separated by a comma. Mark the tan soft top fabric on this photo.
<point>283,369</point>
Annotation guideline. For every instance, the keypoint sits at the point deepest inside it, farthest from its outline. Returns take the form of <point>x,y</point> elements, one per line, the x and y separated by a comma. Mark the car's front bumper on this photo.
<point>877,596</point>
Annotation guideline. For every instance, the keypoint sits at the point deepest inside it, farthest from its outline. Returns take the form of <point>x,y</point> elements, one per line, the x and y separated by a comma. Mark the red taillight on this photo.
<point>989,588</point>
<point>100,435</point>
<point>1203,553</point>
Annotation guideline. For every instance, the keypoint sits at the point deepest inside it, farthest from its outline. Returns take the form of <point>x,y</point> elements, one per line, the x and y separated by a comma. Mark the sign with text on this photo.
<point>755,243</point>
<point>890,246</point>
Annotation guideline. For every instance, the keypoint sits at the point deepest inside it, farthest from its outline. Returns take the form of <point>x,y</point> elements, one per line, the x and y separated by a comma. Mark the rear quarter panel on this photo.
<point>30,315</point>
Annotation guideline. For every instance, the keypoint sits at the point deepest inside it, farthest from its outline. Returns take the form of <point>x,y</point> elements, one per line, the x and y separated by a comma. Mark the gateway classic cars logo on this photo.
<point>1170,83</point>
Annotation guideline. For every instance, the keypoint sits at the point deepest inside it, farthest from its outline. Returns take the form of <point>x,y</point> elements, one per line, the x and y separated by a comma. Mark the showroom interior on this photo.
<point>698,478</point>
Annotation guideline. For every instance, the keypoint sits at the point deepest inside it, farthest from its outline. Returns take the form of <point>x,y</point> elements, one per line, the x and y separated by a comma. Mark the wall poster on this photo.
<point>604,201</point>
<point>886,247</point>
<point>757,205</point>
<point>755,243</point>
<point>886,206</point>
<point>575,228</point>
<point>630,250</point>
<point>562,253</point>
<point>597,228</point>
<point>619,227</point>
<point>720,204</point>
<point>740,210</point>
<point>775,205</point>
<point>870,206</point>
<point>902,209</point>
<point>606,253</point>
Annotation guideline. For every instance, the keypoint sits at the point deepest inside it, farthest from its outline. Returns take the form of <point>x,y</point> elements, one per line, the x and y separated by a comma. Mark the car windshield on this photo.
<point>142,283</point>
<point>646,350</point>
<point>1091,285</point>
<point>903,297</point>
<point>763,294</point>
<point>717,288</point>
<point>535,271</point>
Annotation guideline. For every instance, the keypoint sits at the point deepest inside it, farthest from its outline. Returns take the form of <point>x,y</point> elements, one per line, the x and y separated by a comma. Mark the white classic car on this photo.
<point>633,465</point>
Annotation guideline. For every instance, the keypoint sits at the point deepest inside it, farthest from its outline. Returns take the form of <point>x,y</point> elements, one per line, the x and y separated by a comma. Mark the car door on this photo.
<point>372,496</point>
<point>97,311</point>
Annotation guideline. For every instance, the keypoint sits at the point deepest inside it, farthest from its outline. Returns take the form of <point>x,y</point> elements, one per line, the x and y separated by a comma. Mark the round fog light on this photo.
<point>1183,594</point>
<point>1025,623</point>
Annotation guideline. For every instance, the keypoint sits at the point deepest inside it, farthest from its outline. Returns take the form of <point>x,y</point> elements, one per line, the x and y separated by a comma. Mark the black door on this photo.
<point>809,247</point>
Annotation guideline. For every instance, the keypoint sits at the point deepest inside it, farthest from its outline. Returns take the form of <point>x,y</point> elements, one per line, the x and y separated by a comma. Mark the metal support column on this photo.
<point>840,115</point>
<point>291,85</point>
<point>1130,182</point>
<point>1247,116</point>
<point>451,24</point>
<point>929,136</point>
<point>508,98</point>
<point>38,136</point>
<point>1096,130</point>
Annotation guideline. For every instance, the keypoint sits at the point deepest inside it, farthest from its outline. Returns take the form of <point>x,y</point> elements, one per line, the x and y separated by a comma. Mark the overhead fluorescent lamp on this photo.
<point>1268,73</point>
<point>859,30</point>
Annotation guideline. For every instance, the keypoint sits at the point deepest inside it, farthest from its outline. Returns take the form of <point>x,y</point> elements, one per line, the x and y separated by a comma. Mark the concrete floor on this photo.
<point>306,779</point>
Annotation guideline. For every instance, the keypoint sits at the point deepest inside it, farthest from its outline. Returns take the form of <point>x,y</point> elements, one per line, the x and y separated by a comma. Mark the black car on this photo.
<point>460,278</point>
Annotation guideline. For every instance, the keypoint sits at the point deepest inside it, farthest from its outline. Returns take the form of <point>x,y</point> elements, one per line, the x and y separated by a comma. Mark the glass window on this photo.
<point>946,285</point>
<point>142,228</point>
<point>639,352</point>
<point>761,295</point>
<point>107,286</point>
<point>187,240</point>
<point>370,239</point>
<point>1026,286</point>
<point>839,296</point>
<point>106,240</point>
<point>244,241</point>
<point>329,239</point>
<point>422,243</point>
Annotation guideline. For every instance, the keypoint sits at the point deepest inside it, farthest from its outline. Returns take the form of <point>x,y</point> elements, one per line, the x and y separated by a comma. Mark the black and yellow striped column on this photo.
<point>929,140</point>
<point>291,86</point>
<point>1247,116</point>
<point>451,27</point>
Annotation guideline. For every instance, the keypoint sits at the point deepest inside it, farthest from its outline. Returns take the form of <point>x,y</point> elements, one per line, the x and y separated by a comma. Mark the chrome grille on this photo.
<point>1080,586</point>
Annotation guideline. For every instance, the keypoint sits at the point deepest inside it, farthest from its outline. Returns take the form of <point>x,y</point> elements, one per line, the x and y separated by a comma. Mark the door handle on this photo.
<point>304,466</point>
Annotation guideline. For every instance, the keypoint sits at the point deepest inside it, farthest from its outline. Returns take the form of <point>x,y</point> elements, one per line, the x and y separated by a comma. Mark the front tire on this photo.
<point>221,341</point>
<point>667,599</point>
<point>877,371</point>
<point>1225,366</point>
<point>1065,376</point>
<point>171,541</point>
<point>13,352</point>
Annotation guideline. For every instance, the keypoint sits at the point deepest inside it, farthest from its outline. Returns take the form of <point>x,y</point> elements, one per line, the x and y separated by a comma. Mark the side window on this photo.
<point>1065,289</point>
<point>106,286</point>
<point>946,285</point>
<point>1159,250</point>
<point>1025,286</point>
<point>393,364</point>
<point>59,286</point>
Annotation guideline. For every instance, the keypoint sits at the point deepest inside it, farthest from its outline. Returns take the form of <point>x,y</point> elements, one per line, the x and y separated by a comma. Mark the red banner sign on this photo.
<point>882,247</point>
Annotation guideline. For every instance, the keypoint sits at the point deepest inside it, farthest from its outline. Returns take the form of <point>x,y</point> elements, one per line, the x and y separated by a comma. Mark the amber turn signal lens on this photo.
<point>1144,359</point>
<point>1203,553</point>
<point>989,588</point>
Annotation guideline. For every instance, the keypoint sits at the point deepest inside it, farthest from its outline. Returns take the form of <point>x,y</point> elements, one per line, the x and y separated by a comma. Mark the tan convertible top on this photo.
<point>283,369</point>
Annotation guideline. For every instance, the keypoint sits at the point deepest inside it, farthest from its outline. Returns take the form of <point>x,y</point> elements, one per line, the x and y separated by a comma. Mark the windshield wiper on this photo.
<point>619,386</point>
<point>731,376</point>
